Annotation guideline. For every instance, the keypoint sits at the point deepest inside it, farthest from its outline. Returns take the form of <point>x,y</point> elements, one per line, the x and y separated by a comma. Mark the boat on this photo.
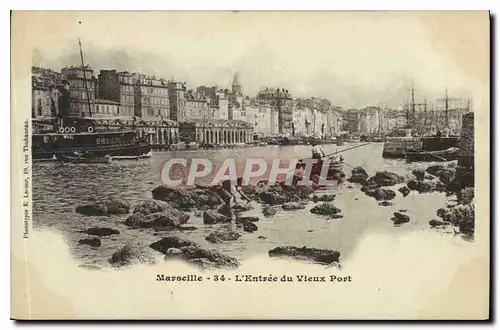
<point>143,156</point>
<point>72,134</point>
<point>85,159</point>
<point>449,154</point>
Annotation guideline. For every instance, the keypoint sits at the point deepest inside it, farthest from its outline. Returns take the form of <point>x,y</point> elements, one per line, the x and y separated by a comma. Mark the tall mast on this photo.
<point>446,107</point>
<point>85,78</point>
<point>413,102</point>
<point>425,113</point>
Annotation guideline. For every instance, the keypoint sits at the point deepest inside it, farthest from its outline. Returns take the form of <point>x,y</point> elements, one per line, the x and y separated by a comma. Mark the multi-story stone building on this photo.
<point>196,107</point>
<point>82,87</point>
<point>369,120</point>
<point>44,100</point>
<point>118,87</point>
<point>282,100</point>
<point>107,108</point>
<point>177,99</point>
<point>218,102</point>
<point>151,97</point>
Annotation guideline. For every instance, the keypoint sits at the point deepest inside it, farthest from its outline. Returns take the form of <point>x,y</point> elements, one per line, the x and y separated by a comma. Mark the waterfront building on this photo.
<point>107,108</point>
<point>82,89</point>
<point>351,121</point>
<point>216,131</point>
<point>177,99</point>
<point>118,87</point>
<point>282,100</point>
<point>151,97</point>
<point>369,120</point>
<point>334,120</point>
<point>218,102</point>
<point>44,99</point>
<point>196,107</point>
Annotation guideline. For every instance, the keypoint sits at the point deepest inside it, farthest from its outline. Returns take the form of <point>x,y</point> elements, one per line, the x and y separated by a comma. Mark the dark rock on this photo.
<point>450,206</point>
<point>422,186</point>
<point>212,217</point>
<point>462,216</point>
<point>152,206</point>
<point>325,209</point>
<point>222,236</point>
<point>269,211</point>
<point>163,220</point>
<point>381,194</point>
<point>290,206</point>
<point>247,219</point>
<point>187,199</point>
<point>465,196</point>
<point>440,212</point>
<point>283,193</point>
<point>262,237</point>
<point>242,207</point>
<point>213,259</point>
<point>419,174</point>
<point>101,231</point>
<point>324,198</point>
<point>437,223</point>
<point>400,218</point>
<point>225,210</point>
<point>336,216</point>
<point>186,227</point>
<point>385,203</point>
<point>249,227</point>
<point>170,242</point>
<point>385,178</point>
<point>404,190</point>
<point>273,198</point>
<point>358,175</point>
<point>113,205</point>
<point>322,256</point>
<point>429,177</point>
<point>402,210</point>
<point>350,187</point>
<point>95,242</point>
<point>445,174</point>
<point>132,254</point>
<point>310,231</point>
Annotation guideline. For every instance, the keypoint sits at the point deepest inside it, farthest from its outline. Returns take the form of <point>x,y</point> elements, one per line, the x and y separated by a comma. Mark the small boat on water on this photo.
<point>143,156</point>
<point>415,155</point>
<point>85,159</point>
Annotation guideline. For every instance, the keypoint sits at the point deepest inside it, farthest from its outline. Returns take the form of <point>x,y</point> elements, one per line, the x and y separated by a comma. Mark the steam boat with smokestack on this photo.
<point>63,137</point>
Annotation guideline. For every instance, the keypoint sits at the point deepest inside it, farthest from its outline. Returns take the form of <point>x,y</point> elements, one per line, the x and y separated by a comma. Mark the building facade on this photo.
<point>82,90</point>
<point>177,99</point>
<point>216,131</point>
<point>118,87</point>
<point>44,101</point>
<point>282,100</point>
<point>151,97</point>
<point>107,108</point>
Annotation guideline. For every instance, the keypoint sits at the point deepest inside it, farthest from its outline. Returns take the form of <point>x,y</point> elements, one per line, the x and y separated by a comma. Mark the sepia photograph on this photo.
<point>250,165</point>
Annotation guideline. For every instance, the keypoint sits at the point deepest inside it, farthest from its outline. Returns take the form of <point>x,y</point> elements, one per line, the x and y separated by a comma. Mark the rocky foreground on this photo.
<point>166,213</point>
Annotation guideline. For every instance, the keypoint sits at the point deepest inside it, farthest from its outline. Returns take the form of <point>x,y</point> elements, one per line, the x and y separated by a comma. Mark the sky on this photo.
<point>354,59</point>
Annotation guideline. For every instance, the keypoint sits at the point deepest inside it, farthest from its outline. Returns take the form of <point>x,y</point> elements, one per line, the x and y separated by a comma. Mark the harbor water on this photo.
<point>58,188</point>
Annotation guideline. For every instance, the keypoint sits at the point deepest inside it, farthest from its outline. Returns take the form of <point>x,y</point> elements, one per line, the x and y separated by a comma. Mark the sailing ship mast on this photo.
<point>85,78</point>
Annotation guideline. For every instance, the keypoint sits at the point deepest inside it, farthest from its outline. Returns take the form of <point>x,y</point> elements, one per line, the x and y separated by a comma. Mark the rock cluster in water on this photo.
<point>167,211</point>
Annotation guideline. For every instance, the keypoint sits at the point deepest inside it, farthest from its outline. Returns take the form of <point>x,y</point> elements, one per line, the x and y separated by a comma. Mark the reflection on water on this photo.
<point>59,188</point>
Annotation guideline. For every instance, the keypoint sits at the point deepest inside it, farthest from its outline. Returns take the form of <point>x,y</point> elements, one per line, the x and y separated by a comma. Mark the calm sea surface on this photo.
<point>59,188</point>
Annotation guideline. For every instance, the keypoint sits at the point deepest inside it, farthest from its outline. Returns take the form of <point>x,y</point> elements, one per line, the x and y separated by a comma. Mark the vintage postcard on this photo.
<point>250,165</point>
